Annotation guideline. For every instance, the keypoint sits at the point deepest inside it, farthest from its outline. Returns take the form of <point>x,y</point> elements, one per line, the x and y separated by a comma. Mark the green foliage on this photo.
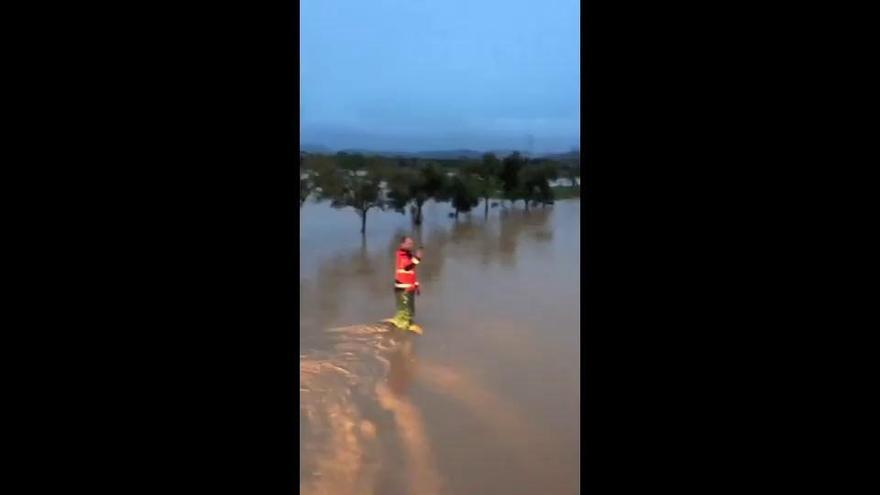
<point>550,170</point>
<point>354,161</point>
<point>311,167</point>
<point>318,176</point>
<point>401,188</point>
<point>509,175</point>
<point>489,165</point>
<point>429,182</point>
<point>533,185</point>
<point>464,194</point>
<point>353,180</point>
<point>342,180</point>
<point>485,174</point>
<point>360,190</point>
<point>432,181</point>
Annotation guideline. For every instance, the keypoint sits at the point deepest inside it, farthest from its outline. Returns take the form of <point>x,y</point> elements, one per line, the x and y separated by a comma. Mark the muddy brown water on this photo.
<point>487,400</point>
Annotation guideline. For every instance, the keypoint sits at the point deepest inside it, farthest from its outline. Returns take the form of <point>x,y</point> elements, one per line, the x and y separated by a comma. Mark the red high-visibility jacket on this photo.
<point>405,270</point>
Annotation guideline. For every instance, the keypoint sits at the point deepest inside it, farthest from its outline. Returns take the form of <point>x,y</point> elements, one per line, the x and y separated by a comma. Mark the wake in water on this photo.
<point>362,435</point>
<point>345,395</point>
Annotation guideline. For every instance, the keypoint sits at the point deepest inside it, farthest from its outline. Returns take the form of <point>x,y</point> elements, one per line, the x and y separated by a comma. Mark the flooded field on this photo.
<point>487,400</point>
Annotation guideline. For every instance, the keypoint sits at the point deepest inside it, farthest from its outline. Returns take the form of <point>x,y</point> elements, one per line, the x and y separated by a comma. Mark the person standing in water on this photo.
<point>406,286</point>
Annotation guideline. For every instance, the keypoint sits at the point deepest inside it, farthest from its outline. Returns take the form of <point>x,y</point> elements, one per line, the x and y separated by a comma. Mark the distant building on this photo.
<point>563,182</point>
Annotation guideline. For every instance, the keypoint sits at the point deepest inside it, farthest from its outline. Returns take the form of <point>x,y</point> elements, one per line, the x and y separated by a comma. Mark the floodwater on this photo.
<point>487,401</point>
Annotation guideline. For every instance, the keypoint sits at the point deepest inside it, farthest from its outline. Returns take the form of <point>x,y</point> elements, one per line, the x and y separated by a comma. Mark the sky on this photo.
<point>428,75</point>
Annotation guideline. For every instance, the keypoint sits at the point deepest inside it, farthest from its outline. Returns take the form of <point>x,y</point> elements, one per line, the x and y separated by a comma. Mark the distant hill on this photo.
<point>436,155</point>
<point>314,148</point>
<point>439,154</point>
<point>567,156</point>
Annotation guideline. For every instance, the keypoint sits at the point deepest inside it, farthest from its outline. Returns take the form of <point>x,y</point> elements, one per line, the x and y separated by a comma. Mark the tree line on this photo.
<point>366,182</point>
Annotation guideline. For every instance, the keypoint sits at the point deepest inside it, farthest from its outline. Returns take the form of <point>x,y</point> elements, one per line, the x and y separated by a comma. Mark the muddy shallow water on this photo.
<point>487,400</point>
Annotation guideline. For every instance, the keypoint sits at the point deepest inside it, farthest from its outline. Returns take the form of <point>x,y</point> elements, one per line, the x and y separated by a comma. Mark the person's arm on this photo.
<point>414,260</point>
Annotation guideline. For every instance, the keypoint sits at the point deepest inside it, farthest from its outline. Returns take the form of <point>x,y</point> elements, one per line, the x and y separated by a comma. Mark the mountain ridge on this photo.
<point>437,154</point>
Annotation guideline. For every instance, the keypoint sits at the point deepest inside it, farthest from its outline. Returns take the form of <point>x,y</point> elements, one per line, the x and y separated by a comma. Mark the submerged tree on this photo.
<point>430,182</point>
<point>314,170</point>
<point>407,186</point>
<point>533,185</point>
<point>463,192</point>
<point>486,174</point>
<point>351,161</point>
<point>509,175</point>
<point>400,188</point>
<point>550,172</point>
<point>357,189</point>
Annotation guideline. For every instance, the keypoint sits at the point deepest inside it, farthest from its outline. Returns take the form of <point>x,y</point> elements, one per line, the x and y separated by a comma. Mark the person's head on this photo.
<point>407,243</point>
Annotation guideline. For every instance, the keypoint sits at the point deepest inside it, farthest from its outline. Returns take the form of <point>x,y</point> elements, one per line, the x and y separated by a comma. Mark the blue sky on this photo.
<point>416,75</point>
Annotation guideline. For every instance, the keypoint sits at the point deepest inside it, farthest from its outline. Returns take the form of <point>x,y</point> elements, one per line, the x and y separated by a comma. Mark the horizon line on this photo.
<point>337,149</point>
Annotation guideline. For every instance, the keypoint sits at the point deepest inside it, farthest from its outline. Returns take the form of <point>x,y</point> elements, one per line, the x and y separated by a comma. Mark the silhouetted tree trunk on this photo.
<point>363,221</point>
<point>486,213</point>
